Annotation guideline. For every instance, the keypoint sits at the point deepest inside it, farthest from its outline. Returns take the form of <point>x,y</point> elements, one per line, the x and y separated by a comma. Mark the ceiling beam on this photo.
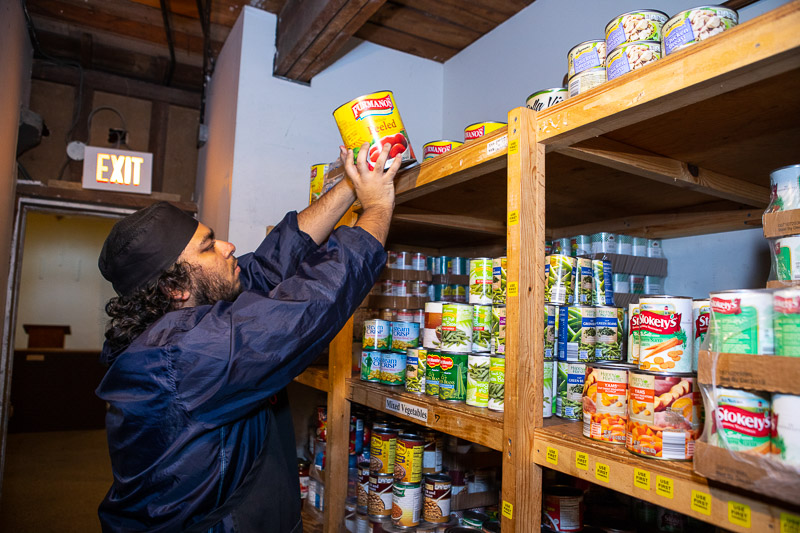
<point>310,32</point>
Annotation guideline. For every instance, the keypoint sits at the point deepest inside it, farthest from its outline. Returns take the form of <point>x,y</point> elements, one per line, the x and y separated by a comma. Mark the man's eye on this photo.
<point>211,246</point>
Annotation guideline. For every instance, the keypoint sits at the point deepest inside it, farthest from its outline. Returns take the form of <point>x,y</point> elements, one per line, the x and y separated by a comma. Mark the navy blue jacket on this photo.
<point>188,399</point>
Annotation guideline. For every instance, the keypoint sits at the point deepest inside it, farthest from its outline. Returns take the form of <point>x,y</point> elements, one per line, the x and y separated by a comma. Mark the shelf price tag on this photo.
<point>665,487</point>
<point>552,456</point>
<point>739,514</point>
<point>508,510</point>
<point>602,472</point>
<point>513,288</point>
<point>497,145</point>
<point>701,502</point>
<point>641,478</point>
<point>581,461</point>
<point>790,523</point>
<point>513,217</point>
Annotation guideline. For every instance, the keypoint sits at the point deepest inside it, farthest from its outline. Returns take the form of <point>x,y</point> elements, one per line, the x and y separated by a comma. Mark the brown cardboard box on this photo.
<point>769,373</point>
<point>781,223</point>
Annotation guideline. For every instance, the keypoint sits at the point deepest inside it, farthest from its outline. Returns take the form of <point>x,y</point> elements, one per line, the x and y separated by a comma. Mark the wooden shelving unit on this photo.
<point>682,147</point>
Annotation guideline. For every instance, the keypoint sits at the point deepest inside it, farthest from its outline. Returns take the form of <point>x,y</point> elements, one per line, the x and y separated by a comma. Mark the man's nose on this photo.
<point>228,249</point>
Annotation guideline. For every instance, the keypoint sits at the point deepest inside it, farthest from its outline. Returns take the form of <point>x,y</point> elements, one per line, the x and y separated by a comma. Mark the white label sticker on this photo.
<point>405,409</point>
<point>497,145</point>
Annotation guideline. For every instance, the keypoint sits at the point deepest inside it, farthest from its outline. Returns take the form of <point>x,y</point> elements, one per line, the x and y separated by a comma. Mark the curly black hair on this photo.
<point>131,315</point>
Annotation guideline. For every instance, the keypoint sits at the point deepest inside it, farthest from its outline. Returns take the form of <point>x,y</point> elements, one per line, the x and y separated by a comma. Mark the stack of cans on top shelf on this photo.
<point>448,292</point>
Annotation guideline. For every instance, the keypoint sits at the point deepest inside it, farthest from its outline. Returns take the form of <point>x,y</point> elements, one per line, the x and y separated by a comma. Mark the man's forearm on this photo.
<point>318,219</point>
<point>376,221</point>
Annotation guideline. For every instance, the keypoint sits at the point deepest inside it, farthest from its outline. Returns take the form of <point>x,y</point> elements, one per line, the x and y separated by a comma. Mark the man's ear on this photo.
<point>179,297</point>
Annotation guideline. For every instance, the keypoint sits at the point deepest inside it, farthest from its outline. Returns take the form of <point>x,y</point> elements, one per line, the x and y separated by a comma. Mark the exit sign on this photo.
<point>115,170</point>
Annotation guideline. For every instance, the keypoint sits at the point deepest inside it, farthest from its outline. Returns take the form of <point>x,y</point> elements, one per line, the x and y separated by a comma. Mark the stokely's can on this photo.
<point>457,327</point>
<point>696,24</point>
<point>786,428</point>
<point>433,453</point>
<point>497,383</point>
<point>498,329</point>
<point>701,314</point>
<point>562,508</point>
<point>560,279</point>
<point>570,390</point>
<point>499,280</point>
<point>436,505</point>
<point>479,129</point>
<point>318,172</point>
<point>432,330</point>
<point>663,415</point>
<point>550,315</point>
<point>546,98</point>
<point>576,333</point>
<point>631,56</point>
<point>482,329</point>
<point>380,495</point>
<point>408,458</point>
<point>434,148</point>
<point>588,79</point>
<point>432,373</point>
<point>641,25</point>
<point>607,345</point>
<point>415,370</point>
<point>374,119</point>
<point>586,55</point>
<point>382,449</point>
<point>371,366</point>
<point>742,421</point>
<point>605,402</point>
<point>666,339</point>
<point>377,335</point>
<point>480,281</point>
<point>453,377</point>
<point>362,490</point>
<point>478,376</point>
<point>393,368</point>
<point>405,335</point>
<point>741,322</point>
<point>786,313</point>
<point>406,500</point>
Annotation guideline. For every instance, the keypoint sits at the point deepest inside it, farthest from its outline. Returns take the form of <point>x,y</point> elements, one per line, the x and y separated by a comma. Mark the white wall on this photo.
<point>282,128</point>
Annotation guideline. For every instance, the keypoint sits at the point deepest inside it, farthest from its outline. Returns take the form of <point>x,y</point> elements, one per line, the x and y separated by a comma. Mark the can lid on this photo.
<point>486,124</point>
<point>551,90</point>
<point>584,42</point>
<point>610,22</point>
<point>439,477</point>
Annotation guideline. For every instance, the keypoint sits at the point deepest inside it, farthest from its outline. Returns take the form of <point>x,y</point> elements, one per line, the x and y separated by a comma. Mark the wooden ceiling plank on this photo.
<point>646,164</point>
<point>456,12</point>
<point>423,24</point>
<point>442,220</point>
<point>398,40</point>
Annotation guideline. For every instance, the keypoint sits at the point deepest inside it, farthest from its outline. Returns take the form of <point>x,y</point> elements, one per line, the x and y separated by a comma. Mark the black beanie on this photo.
<point>144,245</point>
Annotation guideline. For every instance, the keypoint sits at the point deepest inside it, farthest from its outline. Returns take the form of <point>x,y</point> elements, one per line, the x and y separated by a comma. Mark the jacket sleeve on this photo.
<point>241,353</point>
<point>277,257</point>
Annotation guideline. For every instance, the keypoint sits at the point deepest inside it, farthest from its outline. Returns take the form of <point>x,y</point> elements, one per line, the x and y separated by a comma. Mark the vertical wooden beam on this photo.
<point>340,361</point>
<point>522,478</point>
<point>159,124</point>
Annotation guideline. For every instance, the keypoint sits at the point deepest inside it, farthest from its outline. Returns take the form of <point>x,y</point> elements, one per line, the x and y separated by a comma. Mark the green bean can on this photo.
<point>453,377</point>
<point>584,281</point>
<point>499,329</point>
<point>547,389</point>
<point>432,373</point>
<point>499,280</point>
<point>603,291</point>
<point>482,329</point>
<point>415,370</point>
<point>560,279</point>
<point>457,327</point>
<point>497,382</point>
<point>550,315</point>
<point>571,377</point>
<point>480,281</point>
<point>478,371</point>
<point>607,345</point>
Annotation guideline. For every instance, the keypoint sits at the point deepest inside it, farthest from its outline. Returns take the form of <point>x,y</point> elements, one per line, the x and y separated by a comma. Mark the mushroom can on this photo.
<point>666,340</point>
<point>434,148</point>
<point>585,56</point>
<point>631,56</point>
<point>741,322</point>
<point>696,24</point>
<point>479,129</point>
<point>547,98</point>
<point>643,25</point>
<point>436,505</point>
<point>406,499</point>
<point>374,119</point>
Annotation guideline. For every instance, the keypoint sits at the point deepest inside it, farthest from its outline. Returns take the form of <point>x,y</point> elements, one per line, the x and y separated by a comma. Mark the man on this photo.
<point>200,346</point>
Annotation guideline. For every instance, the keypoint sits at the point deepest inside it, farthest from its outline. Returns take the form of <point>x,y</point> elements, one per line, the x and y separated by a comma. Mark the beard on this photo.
<point>210,287</point>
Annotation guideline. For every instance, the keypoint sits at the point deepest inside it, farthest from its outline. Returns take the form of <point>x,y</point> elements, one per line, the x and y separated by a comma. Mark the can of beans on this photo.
<point>550,314</point>
<point>377,335</point>
<point>570,390</point>
<point>415,370</point>
<point>362,491</point>
<point>482,329</point>
<point>393,368</point>
<point>457,266</point>
<point>666,339</point>
<point>548,370</point>
<point>605,402</point>
<point>406,499</point>
<point>560,279</point>
<point>576,333</point>
<point>432,454</point>
<point>499,280</point>
<point>436,505</point>
<point>380,495</point>
<point>603,283</point>
<point>382,451</point>
<point>453,377</point>
<point>434,148</point>
<point>371,366</point>
<point>457,327</point>
<point>562,508</point>
<point>408,458</point>
<point>480,281</point>
<point>608,345</point>
<point>400,288</point>
<point>478,376</point>
<point>405,335</point>
<point>497,383</point>
<point>479,129</point>
<point>498,329</point>
<point>584,281</point>
<point>432,373</point>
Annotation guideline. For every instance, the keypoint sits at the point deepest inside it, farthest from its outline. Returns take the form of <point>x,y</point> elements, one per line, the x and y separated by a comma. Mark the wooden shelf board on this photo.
<point>567,440</point>
<point>770,373</point>
<point>315,377</point>
<point>470,423</point>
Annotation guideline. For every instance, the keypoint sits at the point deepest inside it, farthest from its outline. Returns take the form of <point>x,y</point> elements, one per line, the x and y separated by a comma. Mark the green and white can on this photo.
<point>622,283</point>
<point>456,327</point>
<point>393,368</point>
<point>581,245</point>
<point>547,389</point>
<point>453,377</point>
<point>480,281</point>
<point>570,390</point>
<point>741,322</point>
<point>584,281</point>
<point>653,285</point>
<point>499,280</point>
<point>499,329</point>
<point>377,335</point>
<point>785,187</point>
<point>639,247</point>
<point>786,310</point>
<point>604,243</point>
<point>603,293</point>
<point>607,345</point>
<point>624,244</point>
<point>478,375</point>
<point>497,382</point>
<point>550,315</point>
<point>432,373</point>
<point>482,329</point>
<point>654,248</point>
<point>371,366</point>
<point>560,279</point>
<point>415,370</point>
<point>787,258</point>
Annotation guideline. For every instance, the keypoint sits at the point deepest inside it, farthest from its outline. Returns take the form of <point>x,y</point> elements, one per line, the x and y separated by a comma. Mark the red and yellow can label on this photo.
<point>317,178</point>
<point>434,148</point>
<point>478,130</point>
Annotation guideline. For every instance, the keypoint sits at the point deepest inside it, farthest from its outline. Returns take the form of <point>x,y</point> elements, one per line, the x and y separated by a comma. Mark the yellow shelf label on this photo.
<point>739,514</point>
<point>665,487</point>
<point>512,288</point>
<point>552,456</point>
<point>513,217</point>
<point>581,461</point>
<point>641,478</point>
<point>513,147</point>
<point>701,502</point>
<point>508,509</point>
<point>790,523</point>
<point>602,472</point>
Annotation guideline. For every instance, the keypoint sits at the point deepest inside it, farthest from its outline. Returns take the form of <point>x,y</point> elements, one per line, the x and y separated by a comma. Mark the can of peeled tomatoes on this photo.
<point>374,119</point>
<point>434,148</point>
<point>479,129</point>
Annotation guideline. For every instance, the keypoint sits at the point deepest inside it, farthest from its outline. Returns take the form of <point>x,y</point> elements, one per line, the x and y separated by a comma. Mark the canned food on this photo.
<point>631,56</point>
<point>580,245</point>
<point>480,281</point>
<point>633,333</point>
<point>547,389</point>
<point>393,368</point>
<point>457,327</point>
<point>786,252</point>
<point>642,25</point>
<point>479,129</point>
<point>432,373</point>
<point>497,383</point>
<point>546,98</point>
<point>622,283</point>
<point>586,80</point>
<point>558,248</point>
<point>785,189</point>
<point>374,119</point>
<point>653,285</point>
<point>562,508</point>
<point>380,495</point>
<point>406,500</point>
<point>388,315</point>
<point>741,322</point>
<point>603,288</point>
<point>608,345</point>
<point>377,335</point>
<point>318,172</point>
<point>371,366</point>
<point>453,377</point>
<point>433,452</point>
<point>498,329</point>
<point>604,243</point>
<point>415,370</point>
<point>786,312</point>
<point>322,423</point>
<point>385,288</point>
<point>474,519</point>
<point>639,247</point>
<point>654,248</point>
<point>434,148</point>
<point>303,470</point>
<point>560,279</point>
<point>478,376</point>
<point>624,244</point>
<point>405,335</point>
<point>663,417</point>
<point>584,281</point>
<point>382,449</point>
<point>665,330</point>
<point>550,314</point>
<point>436,505</point>
<point>400,288</point>
<point>742,421</point>
<point>585,56</point>
<point>637,284</point>
<point>570,390</point>
<point>499,280</point>
<point>696,24</point>
<point>432,331</point>
<point>576,333</point>
<point>786,428</point>
<point>362,491</point>
<point>701,314</point>
<point>356,435</point>
<point>605,402</point>
<point>404,315</point>
<point>482,329</point>
<point>457,266</point>
<point>408,458</point>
